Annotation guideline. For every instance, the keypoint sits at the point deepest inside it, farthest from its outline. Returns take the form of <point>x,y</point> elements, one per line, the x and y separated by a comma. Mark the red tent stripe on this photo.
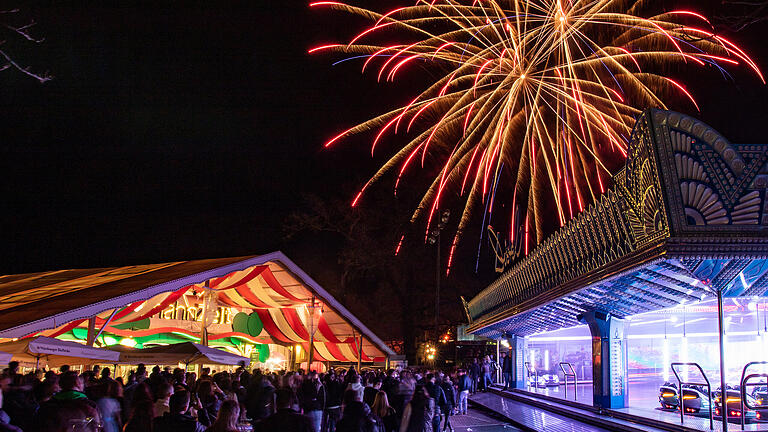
<point>354,346</point>
<point>316,356</point>
<point>255,271</point>
<point>66,328</point>
<point>336,352</point>
<point>170,299</point>
<point>128,309</point>
<point>260,339</point>
<point>326,331</point>
<point>295,322</point>
<point>270,279</point>
<point>271,327</point>
<point>247,294</point>
<point>224,299</point>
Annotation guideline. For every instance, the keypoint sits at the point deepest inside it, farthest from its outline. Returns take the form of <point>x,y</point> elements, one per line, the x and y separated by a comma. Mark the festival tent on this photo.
<point>186,353</point>
<point>249,304</point>
<point>54,352</point>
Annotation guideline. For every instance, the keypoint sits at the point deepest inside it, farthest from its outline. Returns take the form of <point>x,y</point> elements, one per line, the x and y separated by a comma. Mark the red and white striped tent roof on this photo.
<point>53,303</point>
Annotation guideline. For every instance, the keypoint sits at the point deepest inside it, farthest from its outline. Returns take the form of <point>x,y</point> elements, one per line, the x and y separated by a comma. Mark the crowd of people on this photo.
<point>165,400</point>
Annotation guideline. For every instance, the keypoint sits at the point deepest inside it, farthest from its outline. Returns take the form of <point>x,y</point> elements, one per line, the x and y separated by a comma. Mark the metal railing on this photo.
<point>743,389</point>
<point>532,371</point>
<point>681,397</point>
<point>566,374</point>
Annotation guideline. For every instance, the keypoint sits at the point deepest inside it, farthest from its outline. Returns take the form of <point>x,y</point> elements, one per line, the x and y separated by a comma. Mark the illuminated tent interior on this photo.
<point>260,307</point>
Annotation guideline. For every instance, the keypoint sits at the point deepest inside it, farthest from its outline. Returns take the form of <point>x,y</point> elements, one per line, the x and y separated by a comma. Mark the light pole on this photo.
<point>434,238</point>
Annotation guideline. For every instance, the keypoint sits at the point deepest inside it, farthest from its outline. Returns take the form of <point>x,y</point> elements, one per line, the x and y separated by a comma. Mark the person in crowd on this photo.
<point>371,390</point>
<point>259,402</point>
<point>142,413</point>
<point>178,419</point>
<point>312,399</point>
<point>506,369</point>
<point>464,387</point>
<point>474,374</point>
<point>65,416</point>
<point>404,391</point>
<point>71,387</point>
<point>386,413</point>
<point>334,393</point>
<point>227,420</point>
<point>106,375</point>
<point>437,394</point>
<point>450,400</point>
<point>357,417</point>
<point>210,397</point>
<point>162,398</point>
<point>419,412</point>
<point>109,405</point>
<point>485,377</point>
<point>354,384</point>
<point>5,419</point>
<point>285,419</point>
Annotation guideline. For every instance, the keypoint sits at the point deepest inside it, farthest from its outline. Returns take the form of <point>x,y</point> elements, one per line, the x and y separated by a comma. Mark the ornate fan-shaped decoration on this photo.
<point>689,169</point>
<point>680,141</point>
<point>747,210</point>
<point>653,218</point>
<point>702,205</point>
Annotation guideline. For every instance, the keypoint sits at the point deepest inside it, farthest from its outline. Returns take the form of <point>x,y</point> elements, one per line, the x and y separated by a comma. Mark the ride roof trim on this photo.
<point>687,216</point>
<point>272,285</point>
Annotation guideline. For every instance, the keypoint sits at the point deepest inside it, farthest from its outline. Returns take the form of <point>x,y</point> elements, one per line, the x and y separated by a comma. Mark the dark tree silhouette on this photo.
<point>17,30</point>
<point>394,293</point>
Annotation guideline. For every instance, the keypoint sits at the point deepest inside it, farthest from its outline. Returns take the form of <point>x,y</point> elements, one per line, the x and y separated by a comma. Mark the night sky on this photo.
<point>174,133</point>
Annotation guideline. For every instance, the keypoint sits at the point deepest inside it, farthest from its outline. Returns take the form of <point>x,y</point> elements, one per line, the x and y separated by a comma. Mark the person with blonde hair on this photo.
<point>386,413</point>
<point>226,421</point>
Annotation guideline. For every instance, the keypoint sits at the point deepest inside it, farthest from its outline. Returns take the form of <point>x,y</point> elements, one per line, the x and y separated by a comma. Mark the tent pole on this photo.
<point>311,334</point>
<point>91,331</point>
<point>723,390</point>
<point>360,353</point>
<point>106,323</point>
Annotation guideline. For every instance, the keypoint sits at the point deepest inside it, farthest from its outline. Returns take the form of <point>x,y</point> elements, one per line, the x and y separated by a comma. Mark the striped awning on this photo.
<point>273,287</point>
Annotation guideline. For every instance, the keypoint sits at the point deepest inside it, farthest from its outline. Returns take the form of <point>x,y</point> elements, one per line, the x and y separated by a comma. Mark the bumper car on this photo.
<point>695,398</point>
<point>668,397</point>
<point>733,407</point>
<point>543,381</point>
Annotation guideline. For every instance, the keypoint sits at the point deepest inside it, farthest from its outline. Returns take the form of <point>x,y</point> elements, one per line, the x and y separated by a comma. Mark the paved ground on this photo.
<point>477,421</point>
<point>530,416</point>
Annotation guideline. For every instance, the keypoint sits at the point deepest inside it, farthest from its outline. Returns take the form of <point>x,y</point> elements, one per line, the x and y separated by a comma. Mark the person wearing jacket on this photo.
<point>465,385</point>
<point>506,369</point>
<point>485,374</point>
<point>450,401</point>
<point>436,393</point>
<point>357,417</point>
<point>334,392</point>
<point>475,370</point>
<point>312,400</point>
<point>285,419</point>
<point>418,414</point>
<point>178,420</point>
<point>354,384</point>
<point>260,398</point>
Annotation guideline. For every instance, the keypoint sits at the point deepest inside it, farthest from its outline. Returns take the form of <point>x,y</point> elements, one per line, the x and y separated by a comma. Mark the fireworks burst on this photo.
<point>538,96</point>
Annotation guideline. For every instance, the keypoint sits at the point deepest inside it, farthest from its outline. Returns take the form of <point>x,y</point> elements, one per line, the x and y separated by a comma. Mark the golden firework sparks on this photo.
<point>538,95</point>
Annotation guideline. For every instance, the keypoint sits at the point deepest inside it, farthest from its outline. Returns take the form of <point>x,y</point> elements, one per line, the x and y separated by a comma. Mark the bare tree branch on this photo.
<point>21,28</point>
<point>742,14</point>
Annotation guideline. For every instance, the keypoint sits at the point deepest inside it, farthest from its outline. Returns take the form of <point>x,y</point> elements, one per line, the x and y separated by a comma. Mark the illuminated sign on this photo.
<point>178,311</point>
